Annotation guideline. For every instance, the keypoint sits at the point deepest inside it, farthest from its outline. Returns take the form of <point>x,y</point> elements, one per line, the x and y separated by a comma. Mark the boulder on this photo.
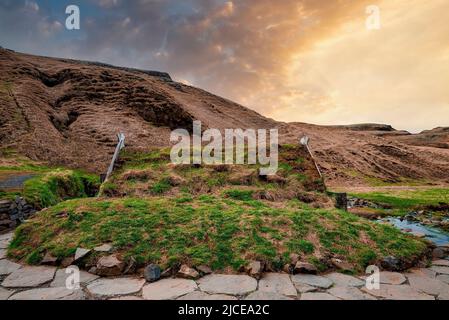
<point>204,270</point>
<point>81,253</point>
<point>341,265</point>
<point>305,267</point>
<point>255,269</point>
<point>49,260</point>
<point>110,266</point>
<point>187,273</point>
<point>152,273</point>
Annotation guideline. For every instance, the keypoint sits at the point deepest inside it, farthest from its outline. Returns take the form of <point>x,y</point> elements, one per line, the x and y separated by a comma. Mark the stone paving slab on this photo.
<point>395,278</point>
<point>398,292</point>
<point>266,295</point>
<point>441,263</point>
<point>168,289</point>
<point>61,277</point>
<point>278,283</point>
<point>110,287</point>
<point>198,295</point>
<point>443,277</point>
<point>311,280</point>
<point>127,298</point>
<point>349,293</point>
<point>303,288</point>
<point>419,281</point>
<point>440,270</point>
<point>2,254</point>
<point>343,280</point>
<point>7,267</point>
<point>236,285</point>
<point>7,236</point>
<point>317,296</point>
<point>29,277</point>
<point>49,294</point>
<point>5,294</point>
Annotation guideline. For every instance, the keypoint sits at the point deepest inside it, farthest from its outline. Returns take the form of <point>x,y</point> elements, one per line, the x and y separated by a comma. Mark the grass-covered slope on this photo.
<point>221,216</point>
<point>219,231</point>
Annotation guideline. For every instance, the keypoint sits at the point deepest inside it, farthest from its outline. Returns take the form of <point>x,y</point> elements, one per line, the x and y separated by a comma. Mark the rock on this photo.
<point>305,267</point>
<point>127,298</point>
<point>277,283</point>
<point>105,248</point>
<point>198,295</point>
<point>81,253</point>
<point>67,262</point>
<point>443,277</point>
<point>341,265</point>
<point>110,266</point>
<point>303,288</point>
<point>317,296</point>
<point>294,258</point>
<point>5,294</point>
<point>312,280</point>
<point>440,270</point>
<point>29,277</point>
<point>419,281</point>
<point>266,295</point>
<point>167,273</point>
<point>49,294</point>
<point>49,260</point>
<point>343,280</point>
<point>228,284</point>
<point>204,270</point>
<point>392,278</point>
<point>395,292</point>
<point>441,263</point>
<point>168,289</point>
<point>392,264</point>
<point>187,273</point>
<point>419,234</point>
<point>115,287</point>
<point>287,268</point>
<point>152,273</point>
<point>8,267</point>
<point>2,254</point>
<point>61,278</point>
<point>349,293</point>
<point>255,269</point>
<point>439,253</point>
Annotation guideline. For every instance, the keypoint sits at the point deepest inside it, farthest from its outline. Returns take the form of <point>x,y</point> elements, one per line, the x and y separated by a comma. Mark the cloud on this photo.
<point>301,60</point>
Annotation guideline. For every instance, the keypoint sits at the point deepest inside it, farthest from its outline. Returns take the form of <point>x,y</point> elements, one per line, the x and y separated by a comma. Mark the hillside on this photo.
<point>68,113</point>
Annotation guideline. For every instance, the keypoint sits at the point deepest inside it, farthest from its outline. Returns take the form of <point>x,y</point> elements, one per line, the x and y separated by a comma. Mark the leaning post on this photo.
<point>120,146</point>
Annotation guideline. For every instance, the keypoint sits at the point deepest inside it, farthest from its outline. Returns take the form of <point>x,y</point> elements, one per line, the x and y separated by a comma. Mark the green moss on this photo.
<point>243,195</point>
<point>55,186</point>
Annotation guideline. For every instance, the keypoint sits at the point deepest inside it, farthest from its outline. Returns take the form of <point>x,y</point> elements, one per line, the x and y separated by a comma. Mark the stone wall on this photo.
<point>13,212</point>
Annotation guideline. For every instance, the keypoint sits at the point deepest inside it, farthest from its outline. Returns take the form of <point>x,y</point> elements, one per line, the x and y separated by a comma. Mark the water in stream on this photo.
<point>438,237</point>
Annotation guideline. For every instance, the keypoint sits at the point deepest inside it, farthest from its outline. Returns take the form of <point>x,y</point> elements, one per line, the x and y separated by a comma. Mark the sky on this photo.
<point>312,61</point>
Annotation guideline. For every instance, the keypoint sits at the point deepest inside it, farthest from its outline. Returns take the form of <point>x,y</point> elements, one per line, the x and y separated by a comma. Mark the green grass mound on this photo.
<point>55,186</point>
<point>223,231</point>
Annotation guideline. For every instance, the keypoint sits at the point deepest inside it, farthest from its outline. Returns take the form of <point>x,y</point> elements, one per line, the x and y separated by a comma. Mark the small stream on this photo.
<point>438,237</point>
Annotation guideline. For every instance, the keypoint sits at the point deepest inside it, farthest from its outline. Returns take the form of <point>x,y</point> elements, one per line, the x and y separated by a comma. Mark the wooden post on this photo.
<point>120,146</point>
<point>305,142</point>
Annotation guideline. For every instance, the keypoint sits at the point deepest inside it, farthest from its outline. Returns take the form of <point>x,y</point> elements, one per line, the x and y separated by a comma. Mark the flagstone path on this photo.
<point>19,282</point>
